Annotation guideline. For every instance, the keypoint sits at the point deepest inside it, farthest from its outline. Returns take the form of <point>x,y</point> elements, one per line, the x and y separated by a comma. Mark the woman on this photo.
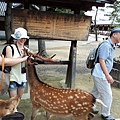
<point>18,72</point>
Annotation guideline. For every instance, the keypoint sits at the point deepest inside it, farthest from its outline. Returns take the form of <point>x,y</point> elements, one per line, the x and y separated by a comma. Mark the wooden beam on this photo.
<point>69,4</point>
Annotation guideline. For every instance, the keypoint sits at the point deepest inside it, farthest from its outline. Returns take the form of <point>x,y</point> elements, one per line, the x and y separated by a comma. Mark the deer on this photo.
<point>57,101</point>
<point>8,106</point>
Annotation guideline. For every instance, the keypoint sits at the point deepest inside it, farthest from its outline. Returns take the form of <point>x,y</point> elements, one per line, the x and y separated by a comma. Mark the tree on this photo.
<point>115,14</point>
<point>8,22</point>
<point>95,24</point>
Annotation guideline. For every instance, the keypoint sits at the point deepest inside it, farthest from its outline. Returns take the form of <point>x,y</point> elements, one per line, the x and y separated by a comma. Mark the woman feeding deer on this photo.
<point>18,72</point>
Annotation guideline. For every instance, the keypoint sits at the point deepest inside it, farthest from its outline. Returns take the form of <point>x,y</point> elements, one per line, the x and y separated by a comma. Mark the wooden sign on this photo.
<point>49,25</point>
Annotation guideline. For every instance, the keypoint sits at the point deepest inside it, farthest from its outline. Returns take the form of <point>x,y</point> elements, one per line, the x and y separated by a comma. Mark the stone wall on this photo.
<point>115,73</point>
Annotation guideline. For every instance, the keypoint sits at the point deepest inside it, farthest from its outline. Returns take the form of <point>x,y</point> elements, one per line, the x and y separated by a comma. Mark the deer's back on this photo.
<point>61,101</point>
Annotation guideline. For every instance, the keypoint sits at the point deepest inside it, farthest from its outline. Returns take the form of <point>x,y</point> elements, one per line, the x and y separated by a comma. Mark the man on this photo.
<point>101,73</point>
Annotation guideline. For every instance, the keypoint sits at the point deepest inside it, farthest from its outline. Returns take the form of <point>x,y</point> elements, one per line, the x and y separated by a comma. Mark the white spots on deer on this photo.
<point>77,96</point>
<point>79,105</point>
<point>59,101</point>
<point>70,97</point>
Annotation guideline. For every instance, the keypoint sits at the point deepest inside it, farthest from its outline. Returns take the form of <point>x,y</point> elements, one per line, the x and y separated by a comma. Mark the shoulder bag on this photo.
<point>4,79</point>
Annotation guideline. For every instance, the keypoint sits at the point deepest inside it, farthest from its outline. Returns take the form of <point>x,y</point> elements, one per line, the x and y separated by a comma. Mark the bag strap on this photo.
<point>4,50</point>
<point>96,59</point>
<point>2,81</point>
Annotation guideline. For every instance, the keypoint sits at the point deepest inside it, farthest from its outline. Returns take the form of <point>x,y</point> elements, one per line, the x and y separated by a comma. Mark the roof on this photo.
<point>70,4</point>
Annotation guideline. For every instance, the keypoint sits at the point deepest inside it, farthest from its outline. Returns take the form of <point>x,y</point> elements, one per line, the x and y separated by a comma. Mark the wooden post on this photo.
<point>26,6</point>
<point>71,70</point>
<point>8,22</point>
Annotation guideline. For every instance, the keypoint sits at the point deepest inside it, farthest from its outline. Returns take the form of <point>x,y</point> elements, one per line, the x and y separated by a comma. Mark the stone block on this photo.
<point>115,73</point>
<point>116,65</point>
<point>116,84</point>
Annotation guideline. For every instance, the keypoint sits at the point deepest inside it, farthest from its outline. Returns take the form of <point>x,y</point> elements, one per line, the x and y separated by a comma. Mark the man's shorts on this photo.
<point>14,85</point>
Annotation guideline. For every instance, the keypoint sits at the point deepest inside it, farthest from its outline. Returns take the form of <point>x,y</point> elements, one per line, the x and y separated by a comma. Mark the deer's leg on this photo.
<point>34,113</point>
<point>90,116</point>
<point>48,116</point>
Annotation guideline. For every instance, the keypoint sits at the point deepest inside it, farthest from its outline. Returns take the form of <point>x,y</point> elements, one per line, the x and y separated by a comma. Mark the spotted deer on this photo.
<point>8,106</point>
<point>58,101</point>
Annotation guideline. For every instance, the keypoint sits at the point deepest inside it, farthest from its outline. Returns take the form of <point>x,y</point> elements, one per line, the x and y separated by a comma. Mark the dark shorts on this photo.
<point>14,85</point>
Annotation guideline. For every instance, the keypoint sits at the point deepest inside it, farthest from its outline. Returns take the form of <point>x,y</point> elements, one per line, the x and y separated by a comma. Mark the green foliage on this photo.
<point>59,10</point>
<point>62,10</point>
<point>82,12</point>
<point>101,9</point>
<point>114,16</point>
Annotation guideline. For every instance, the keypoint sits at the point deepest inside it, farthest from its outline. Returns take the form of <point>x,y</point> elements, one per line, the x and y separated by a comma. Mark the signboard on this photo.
<point>49,25</point>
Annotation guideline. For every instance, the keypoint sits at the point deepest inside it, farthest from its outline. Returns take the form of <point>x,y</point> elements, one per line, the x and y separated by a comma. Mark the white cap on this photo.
<point>20,33</point>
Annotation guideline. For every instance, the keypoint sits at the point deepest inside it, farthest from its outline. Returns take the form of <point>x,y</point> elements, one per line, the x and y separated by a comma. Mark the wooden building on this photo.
<point>103,29</point>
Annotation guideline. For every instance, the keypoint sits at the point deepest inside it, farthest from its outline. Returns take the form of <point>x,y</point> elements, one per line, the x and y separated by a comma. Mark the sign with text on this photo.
<point>51,25</point>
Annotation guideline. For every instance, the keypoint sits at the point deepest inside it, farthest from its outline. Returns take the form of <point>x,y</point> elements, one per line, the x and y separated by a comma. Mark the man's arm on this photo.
<point>105,71</point>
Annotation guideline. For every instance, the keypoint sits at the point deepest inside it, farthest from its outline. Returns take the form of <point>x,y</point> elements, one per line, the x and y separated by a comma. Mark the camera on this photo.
<point>23,70</point>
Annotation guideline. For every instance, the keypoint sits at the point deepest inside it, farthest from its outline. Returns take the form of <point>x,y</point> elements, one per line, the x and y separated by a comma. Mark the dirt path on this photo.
<point>56,73</point>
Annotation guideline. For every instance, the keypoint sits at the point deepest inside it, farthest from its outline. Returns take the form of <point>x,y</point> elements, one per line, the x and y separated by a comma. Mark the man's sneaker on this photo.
<point>95,111</point>
<point>107,117</point>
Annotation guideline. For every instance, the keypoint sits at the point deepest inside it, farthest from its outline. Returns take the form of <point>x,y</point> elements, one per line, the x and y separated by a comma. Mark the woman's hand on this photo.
<point>24,58</point>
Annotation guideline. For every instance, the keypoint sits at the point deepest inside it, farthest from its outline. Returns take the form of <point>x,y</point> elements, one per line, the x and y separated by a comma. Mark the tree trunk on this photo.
<point>42,48</point>
<point>26,6</point>
<point>41,43</point>
<point>95,25</point>
<point>8,30</point>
